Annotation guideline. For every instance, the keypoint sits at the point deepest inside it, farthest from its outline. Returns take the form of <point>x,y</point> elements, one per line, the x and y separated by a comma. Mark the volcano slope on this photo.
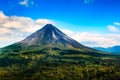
<point>49,54</point>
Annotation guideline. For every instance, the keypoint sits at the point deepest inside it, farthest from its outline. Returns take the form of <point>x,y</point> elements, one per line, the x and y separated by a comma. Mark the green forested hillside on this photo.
<point>56,64</point>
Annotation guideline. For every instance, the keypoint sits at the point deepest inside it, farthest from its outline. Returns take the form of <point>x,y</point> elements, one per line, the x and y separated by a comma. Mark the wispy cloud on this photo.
<point>112,28</point>
<point>26,3</point>
<point>88,1</point>
<point>117,23</point>
<point>115,27</point>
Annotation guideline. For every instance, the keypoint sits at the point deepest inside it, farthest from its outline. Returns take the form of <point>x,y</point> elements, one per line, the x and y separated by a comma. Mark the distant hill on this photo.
<point>112,50</point>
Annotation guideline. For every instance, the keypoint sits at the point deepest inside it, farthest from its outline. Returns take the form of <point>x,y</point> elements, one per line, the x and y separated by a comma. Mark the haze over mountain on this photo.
<point>112,50</point>
<point>47,37</point>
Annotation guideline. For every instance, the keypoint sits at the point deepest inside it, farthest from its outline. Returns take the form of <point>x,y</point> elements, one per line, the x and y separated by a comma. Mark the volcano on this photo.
<point>47,37</point>
<point>51,36</point>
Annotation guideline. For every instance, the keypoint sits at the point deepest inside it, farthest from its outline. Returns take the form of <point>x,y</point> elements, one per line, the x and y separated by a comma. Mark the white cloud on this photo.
<point>16,28</point>
<point>4,31</point>
<point>94,39</point>
<point>112,28</point>
<point>117,23</point>
<point>26,3</point>
<point>68,32</point>
<point>44,21</point>
<point>2,16</point>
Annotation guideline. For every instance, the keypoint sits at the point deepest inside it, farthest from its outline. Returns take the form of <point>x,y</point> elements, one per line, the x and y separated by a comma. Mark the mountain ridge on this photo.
<point>47,37</point>
<point>111,50</point>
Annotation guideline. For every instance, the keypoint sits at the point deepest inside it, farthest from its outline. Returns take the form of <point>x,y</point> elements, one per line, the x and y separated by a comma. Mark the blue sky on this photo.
<point>79,12</point>
<point>75,17</point>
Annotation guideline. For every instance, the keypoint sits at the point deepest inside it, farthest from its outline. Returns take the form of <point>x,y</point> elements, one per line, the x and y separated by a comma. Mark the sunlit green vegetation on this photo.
<point>58,65</point>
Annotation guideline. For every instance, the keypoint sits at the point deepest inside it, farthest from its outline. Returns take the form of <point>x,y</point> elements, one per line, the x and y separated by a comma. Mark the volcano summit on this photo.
<point>47,37</point>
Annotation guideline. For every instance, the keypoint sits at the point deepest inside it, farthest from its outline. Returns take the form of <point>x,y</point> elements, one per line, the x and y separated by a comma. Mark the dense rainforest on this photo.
<point>40,66</point>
